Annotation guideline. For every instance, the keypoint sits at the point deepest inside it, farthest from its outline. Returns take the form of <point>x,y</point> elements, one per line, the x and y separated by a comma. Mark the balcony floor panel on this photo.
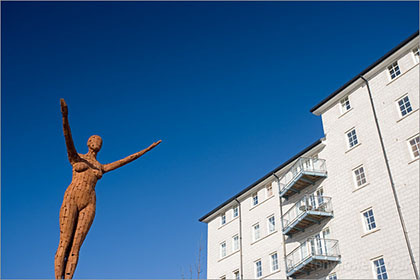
<point>302,181</point>
<point>311,264</point>
<point>306,220</point>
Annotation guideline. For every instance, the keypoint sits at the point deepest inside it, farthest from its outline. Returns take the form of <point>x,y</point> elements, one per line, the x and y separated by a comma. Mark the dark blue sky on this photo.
<point>227,86</point>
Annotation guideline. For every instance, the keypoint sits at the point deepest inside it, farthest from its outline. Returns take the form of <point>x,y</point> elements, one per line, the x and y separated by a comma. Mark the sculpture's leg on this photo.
<point>68,220</point>
<point>83,224</point>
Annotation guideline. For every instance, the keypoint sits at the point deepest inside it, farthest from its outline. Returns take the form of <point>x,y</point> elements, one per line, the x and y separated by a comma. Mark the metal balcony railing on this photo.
<point>304,171</point>
<point>309,210</point>
<point>310,254</point>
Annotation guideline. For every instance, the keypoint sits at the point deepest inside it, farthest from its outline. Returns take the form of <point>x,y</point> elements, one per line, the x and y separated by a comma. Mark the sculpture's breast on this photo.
<point>92,164</point>
<point>98,172</point>
<point>80,166</point>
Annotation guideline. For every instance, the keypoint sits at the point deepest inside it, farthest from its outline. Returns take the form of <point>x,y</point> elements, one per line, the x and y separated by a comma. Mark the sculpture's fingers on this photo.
<point>155,144</point>
<point>64,108</point>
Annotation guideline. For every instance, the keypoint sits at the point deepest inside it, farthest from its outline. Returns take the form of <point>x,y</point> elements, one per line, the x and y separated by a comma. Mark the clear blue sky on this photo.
<point>226,86</point>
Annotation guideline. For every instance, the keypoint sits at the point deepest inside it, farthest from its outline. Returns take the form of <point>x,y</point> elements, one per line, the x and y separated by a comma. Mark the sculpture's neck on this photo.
<point>92,153</point>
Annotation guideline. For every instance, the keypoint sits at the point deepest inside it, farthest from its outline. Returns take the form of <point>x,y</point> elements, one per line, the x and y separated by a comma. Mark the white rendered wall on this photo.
<point>358,249</point>
<point>251,250</point>
<point>396,131</point>
<point>268,243</point>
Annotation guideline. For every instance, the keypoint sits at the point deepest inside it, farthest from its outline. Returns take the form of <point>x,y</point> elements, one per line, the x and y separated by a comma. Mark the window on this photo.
<point>223,249</point>
<point>359,176</point>
<point>258,269</point>
<point>223,219</point>
<point>394,70</point>
<point>320,195</point>
<point>235,243</point>
<point>405,106</point>
<point>345,104</point>
<point>352,137</point>
<point>255,199</point>
<point>380,270</point>
<point>256,231</point>
<point>269,189</point>
<point>274,262</point>
<point>235,211</point>
<point>326,233</point>
<point>369,220</point>
<point>416,51</point>
<point>236,275</point>
<point>332,276</point>
<point>271,224</point>
<point>415,146</point>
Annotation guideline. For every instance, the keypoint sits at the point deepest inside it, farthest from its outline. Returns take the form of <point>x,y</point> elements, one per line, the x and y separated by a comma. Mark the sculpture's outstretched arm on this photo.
<point>71,150</point>
<point>116,164</point>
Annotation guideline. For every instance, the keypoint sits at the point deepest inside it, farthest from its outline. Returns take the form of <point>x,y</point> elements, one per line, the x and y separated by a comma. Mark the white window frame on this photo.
<point>405,108</point>
<point>267,188</point>
<point>222,219</point>
<point>395,67</point>
<point>332,276</point>
<point>254,231</point>
<point>326,233</point>
<point>366,222</point>
<point>349,146</point>
<point>236,275</point>
<point>410,147</point>
<point>343,102</point>
<point>256,268</point>
<point>272,268</point>
<point>234,248</point>
<point>235,209</point>
<point>223,249</point>
<point>255,199</point>
<point>415,52</point>
<point>356,182</point>
<point>374,267</point>
<point>269,230</point>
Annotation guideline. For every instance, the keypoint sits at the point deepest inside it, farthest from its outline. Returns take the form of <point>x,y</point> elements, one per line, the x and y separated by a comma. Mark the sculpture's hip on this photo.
<point>81,191</point>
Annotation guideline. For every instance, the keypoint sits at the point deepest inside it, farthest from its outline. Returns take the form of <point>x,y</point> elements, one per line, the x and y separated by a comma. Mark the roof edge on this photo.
<point>370,67</point>
<point>313,145</point>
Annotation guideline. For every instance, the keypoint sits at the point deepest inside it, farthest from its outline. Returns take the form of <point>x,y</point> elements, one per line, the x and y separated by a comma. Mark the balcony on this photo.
<point>311,209</point>
<point>304,172</point>
<point>310,255</point>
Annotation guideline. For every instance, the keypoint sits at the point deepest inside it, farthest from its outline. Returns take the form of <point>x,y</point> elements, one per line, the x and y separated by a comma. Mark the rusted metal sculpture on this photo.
<point>79,203</point>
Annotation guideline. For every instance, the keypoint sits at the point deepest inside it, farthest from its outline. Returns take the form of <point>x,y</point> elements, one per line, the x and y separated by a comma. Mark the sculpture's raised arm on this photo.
<point>116,164</point>
<point>71,150</point>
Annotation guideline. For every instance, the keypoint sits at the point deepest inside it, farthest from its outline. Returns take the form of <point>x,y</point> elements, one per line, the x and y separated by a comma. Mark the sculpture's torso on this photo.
<point>86,173</point>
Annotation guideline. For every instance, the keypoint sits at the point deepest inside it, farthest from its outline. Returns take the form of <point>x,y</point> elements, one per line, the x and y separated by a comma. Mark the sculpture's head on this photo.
<point>94,143</point>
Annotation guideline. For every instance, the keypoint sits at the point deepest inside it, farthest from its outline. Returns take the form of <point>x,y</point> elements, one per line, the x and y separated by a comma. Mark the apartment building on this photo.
<point>345,207</point>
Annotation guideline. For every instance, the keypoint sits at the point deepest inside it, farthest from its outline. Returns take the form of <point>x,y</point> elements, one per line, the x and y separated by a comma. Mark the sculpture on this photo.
<point>79,203</point>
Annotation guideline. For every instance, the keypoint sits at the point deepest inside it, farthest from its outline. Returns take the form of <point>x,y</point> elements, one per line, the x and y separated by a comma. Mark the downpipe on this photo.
<point>282,227</point>
<point>240,239</point>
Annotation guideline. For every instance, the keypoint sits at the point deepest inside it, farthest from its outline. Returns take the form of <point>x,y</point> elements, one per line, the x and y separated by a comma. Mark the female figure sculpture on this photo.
<point>79,203</point>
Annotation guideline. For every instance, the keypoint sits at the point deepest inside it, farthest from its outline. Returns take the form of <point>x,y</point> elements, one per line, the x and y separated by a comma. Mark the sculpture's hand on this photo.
<point>64,109</point>
<point>153,145</point>
<point>71,150</point>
